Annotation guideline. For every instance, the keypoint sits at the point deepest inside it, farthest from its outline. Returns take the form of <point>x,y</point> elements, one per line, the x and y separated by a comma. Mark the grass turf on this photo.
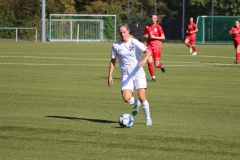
<point>55,104</point>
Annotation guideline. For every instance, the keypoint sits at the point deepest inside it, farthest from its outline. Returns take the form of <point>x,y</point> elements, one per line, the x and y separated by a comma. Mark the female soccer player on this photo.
<point>191,36</point>
<point>128,50</point>
<point>235,32</point>
<point>155,35</point>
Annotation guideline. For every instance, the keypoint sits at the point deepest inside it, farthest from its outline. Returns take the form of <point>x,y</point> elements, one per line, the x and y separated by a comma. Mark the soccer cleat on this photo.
<point>162,69</point>
<point>194,53</point>
<point>190,50</point>
<point>149,122</point>
<point>135,110</point>
<point>236,62</point>
<point>153,80</point>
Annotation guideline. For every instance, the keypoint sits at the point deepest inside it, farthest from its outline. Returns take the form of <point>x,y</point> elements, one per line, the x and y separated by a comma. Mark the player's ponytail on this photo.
<point>159,17</point>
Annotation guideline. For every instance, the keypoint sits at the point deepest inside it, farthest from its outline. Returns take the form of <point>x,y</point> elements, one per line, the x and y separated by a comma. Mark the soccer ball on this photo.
<point>125,120</point>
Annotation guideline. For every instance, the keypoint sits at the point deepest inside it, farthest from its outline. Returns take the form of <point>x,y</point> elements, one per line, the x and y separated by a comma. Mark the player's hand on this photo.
<point>235,32</point>
<point>110,81</point>
<point>142,63</point>
<point>152,36</point>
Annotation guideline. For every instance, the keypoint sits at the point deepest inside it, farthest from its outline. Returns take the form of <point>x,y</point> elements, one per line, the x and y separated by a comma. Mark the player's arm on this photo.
<point>145,33</point>
<point>161,33</point>
<point>146,57</point>
<point>145,36</point>
<point>110,72</point>
<point>162,37</point>
<point>195,30</point>
<point>232,31</point>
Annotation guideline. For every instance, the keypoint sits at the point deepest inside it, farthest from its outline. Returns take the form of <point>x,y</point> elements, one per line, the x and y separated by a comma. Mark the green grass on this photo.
<point>55,104</point>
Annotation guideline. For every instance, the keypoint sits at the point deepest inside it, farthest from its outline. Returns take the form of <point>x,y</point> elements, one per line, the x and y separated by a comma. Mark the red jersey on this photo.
<point>191,27</point>
<point>236,37</point>
<point>156,30</point>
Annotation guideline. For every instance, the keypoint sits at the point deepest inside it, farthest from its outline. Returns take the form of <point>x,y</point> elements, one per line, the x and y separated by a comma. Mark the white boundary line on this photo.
<point>107,59</point>
<point>177,64</point>
<point>103,65</point>
<point>38,57</point>
<point>167,55</point>
<point>44,64</point>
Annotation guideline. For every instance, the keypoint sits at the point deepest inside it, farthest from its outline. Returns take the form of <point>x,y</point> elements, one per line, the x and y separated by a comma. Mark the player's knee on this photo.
<point>142,99</point>
<point>126,98</point>
<point>156,64</point>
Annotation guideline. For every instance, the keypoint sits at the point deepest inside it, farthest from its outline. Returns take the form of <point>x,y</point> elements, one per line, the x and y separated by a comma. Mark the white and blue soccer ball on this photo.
<point>125,120</point>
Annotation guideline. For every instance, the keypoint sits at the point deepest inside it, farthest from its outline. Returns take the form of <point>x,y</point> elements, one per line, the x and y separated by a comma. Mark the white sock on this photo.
<point>146,109</point>
<point>134,101</point>
<point>154,77</point>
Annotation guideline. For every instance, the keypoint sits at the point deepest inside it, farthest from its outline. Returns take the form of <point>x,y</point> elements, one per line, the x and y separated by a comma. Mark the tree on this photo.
<point>68,6</point>
<point>228,8</point>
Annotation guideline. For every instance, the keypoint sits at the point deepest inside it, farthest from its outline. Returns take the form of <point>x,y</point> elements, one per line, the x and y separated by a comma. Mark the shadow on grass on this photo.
<point>86,119</point>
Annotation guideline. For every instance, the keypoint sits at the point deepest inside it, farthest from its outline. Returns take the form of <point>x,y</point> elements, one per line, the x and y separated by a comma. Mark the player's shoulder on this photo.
<point>158,26</point>
<point>134,40</point>
<point>148,26</point>
<point>117,44</point>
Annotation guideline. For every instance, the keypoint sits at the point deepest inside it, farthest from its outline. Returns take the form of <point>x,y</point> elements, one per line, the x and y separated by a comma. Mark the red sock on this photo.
<point>150,68</point>
<point>188,45</point>
<point>237,56</point>
<point>159,66</point>
<point>194,48</point>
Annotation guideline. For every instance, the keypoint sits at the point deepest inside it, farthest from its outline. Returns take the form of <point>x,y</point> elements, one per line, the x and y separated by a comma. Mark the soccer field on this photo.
<point>55,104</point>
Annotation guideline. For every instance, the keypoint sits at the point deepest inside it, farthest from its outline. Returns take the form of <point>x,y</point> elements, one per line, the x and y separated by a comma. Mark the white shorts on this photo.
<point>133,77</point>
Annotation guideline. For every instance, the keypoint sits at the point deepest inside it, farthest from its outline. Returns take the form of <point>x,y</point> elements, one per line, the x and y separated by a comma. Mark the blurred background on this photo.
<point>173,14</point>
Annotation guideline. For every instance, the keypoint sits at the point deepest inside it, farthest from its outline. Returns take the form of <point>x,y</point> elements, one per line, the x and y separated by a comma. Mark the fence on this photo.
<point>81,27</point>
<point>215,29</point>
<point>20,28</point>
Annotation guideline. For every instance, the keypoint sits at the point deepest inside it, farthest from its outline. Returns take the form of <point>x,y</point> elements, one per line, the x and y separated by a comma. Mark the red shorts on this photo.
<point>191,38</point>
<point>236,43</point>
<point>156,49</point>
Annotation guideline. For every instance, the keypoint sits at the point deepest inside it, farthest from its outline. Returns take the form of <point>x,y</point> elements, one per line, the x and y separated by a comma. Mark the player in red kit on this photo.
<point>235,32</point>
<point>190,39</point>
<point>155,35</point>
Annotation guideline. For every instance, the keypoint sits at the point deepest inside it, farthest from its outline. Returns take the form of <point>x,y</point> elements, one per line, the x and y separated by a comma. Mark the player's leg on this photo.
<point>145,105</point>
<point>127,90</point>
<point>237,47</point>
<point>187,39</point>
<point>151,69</point>
<point>150,66</point>
<point>156,56</point>
<point>141,85</point>
<point>193,41</point>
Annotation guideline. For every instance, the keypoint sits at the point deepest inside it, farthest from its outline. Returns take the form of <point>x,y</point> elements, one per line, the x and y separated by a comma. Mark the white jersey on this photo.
<point>129,53</point>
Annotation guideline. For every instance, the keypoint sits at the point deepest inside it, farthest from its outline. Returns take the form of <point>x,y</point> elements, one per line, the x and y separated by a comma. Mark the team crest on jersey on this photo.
<point>155,29</point>
<point>131,48</point>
